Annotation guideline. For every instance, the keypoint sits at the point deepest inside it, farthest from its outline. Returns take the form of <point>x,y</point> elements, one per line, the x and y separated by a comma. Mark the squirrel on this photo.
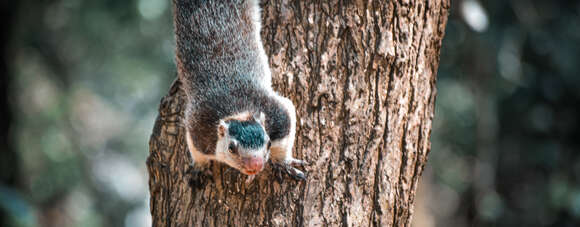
<point>232,114</point>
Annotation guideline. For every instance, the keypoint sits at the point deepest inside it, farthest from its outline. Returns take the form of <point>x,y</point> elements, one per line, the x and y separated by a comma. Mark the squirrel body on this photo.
<point>232,114</point>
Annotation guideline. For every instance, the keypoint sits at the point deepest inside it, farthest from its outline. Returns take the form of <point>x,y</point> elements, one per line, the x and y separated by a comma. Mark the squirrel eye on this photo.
<point>269,144</point>
<point>232,148</point>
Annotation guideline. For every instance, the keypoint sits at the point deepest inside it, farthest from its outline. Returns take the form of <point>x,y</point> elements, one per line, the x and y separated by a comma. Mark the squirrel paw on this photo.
<point>199,176</point>
<point>288,169</point>
<point>295,173</point>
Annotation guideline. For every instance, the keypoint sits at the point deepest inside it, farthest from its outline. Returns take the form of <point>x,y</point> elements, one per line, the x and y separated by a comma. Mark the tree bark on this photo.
<point>362,76</point>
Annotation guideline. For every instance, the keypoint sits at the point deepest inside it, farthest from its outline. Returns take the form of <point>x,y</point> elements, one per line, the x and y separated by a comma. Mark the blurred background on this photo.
<point>506,134</point>
<point>80,82</point>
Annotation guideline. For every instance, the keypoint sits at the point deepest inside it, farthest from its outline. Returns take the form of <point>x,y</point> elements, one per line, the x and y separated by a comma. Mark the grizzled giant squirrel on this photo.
<point>232,114</point>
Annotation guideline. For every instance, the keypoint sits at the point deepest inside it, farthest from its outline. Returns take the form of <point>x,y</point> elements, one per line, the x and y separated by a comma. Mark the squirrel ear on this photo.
<point>222,128</point>
<point>260,117</point>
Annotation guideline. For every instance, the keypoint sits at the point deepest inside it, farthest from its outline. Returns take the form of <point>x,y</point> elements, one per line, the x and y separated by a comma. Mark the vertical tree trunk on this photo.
<point>362,77</point>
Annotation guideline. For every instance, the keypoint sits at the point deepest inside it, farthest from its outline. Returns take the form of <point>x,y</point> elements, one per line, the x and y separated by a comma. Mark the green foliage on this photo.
<point>87,78</point>
<point>505,148</point>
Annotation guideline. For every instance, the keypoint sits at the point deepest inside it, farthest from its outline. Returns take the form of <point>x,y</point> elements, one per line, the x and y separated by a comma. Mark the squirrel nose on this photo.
<point>255,164</point>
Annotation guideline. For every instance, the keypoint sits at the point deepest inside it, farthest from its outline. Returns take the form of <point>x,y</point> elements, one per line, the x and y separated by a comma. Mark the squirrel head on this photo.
<point>243,142</point>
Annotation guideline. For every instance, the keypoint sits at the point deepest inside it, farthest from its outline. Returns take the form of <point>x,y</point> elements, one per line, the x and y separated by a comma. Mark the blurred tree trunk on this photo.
<point>362,77</point>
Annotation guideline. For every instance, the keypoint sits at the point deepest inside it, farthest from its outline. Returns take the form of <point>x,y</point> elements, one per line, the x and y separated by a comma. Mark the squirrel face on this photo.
<point>243,143</point>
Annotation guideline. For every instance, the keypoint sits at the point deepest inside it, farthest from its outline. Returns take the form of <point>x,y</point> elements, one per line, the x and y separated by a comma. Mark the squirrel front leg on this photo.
<point>199,168</point>
<point>281,150</point>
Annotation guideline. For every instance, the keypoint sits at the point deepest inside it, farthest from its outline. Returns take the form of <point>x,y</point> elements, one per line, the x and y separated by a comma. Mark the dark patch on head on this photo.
<point>220,102</point>
<point>249,133</point>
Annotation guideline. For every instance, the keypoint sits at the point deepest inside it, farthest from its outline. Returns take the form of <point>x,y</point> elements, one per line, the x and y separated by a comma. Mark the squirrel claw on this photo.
<point>293,172</point>
<point>296,174</point>
<point>199,176</point>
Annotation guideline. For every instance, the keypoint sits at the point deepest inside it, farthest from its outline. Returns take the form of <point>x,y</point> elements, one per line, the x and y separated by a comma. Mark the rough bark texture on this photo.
<point>362,76</point>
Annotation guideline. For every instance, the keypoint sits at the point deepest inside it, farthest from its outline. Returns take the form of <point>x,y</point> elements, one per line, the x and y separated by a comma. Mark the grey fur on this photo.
<point>218,58</point>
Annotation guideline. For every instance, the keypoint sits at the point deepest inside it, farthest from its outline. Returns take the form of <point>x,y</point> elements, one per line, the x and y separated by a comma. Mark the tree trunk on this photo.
<point>362,76</point>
